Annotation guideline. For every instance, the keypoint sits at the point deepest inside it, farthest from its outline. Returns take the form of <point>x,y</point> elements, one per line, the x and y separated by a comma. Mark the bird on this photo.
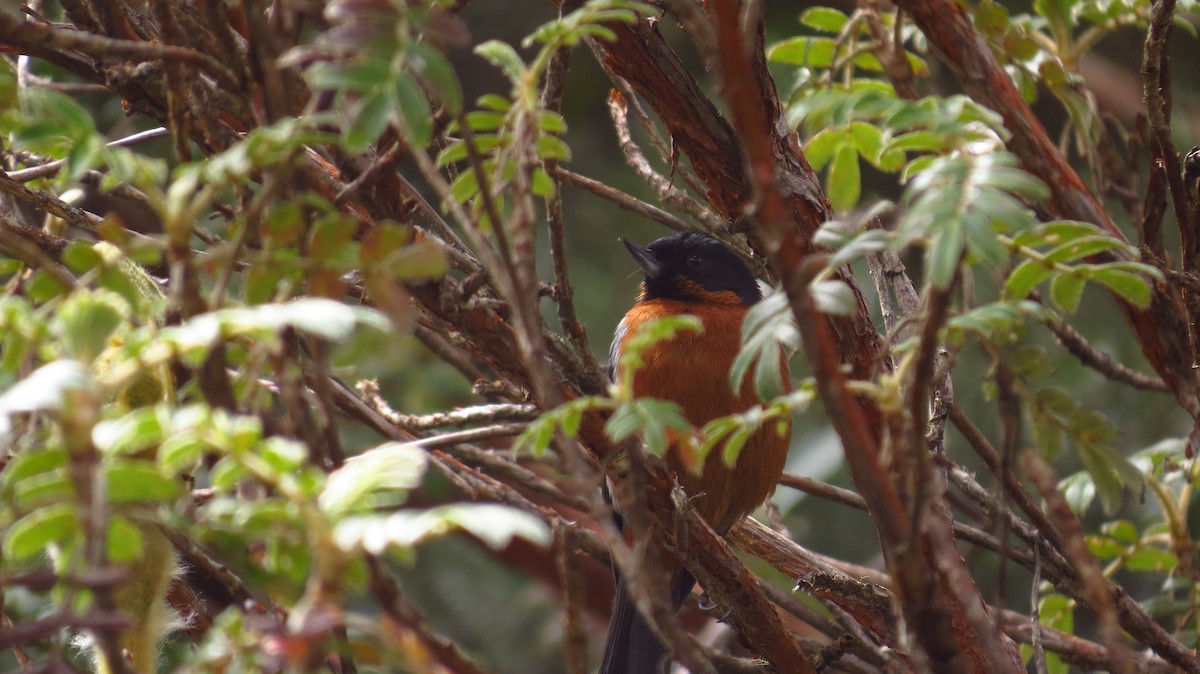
<point>692,273</point>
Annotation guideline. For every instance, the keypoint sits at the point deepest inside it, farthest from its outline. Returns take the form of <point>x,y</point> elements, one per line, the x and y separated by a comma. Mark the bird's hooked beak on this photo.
<point>644,256</point>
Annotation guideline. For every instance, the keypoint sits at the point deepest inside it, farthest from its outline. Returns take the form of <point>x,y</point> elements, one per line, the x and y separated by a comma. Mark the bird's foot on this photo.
<point>707,605</point>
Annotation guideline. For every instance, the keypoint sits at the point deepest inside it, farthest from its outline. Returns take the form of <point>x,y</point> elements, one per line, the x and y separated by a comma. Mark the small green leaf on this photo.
<point>844,179</point>
<point>180,453</point>
<point>650,417</point>
<point>465,186</point>
<point>1079,490</point>
<point>86,321</point>
<point>44,389</point>
<point>370,119</point>
<point>1151,559</point>
<point>812,52</point>
<point>51,487</point>
<point>395,467</point>
<point>138,481</point>
<point>31,463</point>
<point>437,72</point>
<point>536,437</point>
<point>359,76</point>
<point>1130,287</point>
<point>1065,291</point>
<point>549,147</point>
<point>824,19</point>
<point>138,430</point>
<point>495,525</point>
<point>833,297</point>
<point>80,257</point>
<point>494,103</point>
<point>503,56</point>
<point>413,107</point>
<point>1123,531</point>
<point>945,255</point>
<point>821,147</point>
<point>868,139</point>
<point>1082,247</point>
<point>1027,276</point>
<point>542,184</point>
<point>33,533</point>
<point>551,122</point>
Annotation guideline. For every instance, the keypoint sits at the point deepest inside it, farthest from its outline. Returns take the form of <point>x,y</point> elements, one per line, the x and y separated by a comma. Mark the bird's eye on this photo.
<point>694,260</point>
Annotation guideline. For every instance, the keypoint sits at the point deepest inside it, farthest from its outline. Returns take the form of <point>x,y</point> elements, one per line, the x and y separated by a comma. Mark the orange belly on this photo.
<point>692,369</point>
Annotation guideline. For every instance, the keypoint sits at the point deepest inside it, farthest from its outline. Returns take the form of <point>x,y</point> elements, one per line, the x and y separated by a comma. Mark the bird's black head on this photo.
<point>693,267</point>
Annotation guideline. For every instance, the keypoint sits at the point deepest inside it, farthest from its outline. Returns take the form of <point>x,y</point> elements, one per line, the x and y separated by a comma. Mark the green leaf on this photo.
<point>503,56</point>
<point>44,389</point>
<point>536,437</point>
<point>438,74</point>
<point>542,184</point>
<point>465,186</point>
<point>945,255</point>
<point>551,122</point>
<point>844,180</point>
<point>495,525</point>
<point>86,321</point>
<point>812,52</point>
<point>33,533</point>
<point>833,297</point>
<point>131,433</point>
<point>138,481</point>
<point>359,76</point>
<point>1123,531</point>
<point>1104,548</point>
<point>1027,276</point>
<point>180,453</point>
<point>824,19</point>
<point>494,103</point>
<point>51,487</point>
<point>285,455</point>
<point>413,107</point>
<point>370,119</point>
<point>80,257</point>
<point>1151,559</point>
<point>395,467</point>
<point>650,417</point>
<point>31,463</point>
<point>1082,247</point>
<point>1079,490</point>
<point>549,147</point>
<point>868,139</point>
<point>1065,291</point>
<point>320,317</point>
<point>1130,287</point>
<point>820,148</point>
<point>768,327</point>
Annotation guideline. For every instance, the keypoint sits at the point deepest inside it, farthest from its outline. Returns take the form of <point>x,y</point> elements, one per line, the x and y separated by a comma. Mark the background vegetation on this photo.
<point>305,307</point>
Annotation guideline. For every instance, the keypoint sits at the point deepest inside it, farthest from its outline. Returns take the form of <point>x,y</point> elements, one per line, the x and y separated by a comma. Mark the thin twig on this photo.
<point>629,203</point>
<point>52,168</point>
<point>47,202</point>
<point>1156,82</point>
<point>26,244</point>
<point>1099,361</point>
<point>619,110</point>
<point>1100,599</point>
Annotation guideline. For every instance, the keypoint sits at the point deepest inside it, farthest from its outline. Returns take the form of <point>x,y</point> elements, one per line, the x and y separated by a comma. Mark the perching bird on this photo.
<point>693,273</point>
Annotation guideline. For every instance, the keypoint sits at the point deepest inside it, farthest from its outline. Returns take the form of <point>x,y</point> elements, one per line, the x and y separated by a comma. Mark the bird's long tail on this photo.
<point>631,647</point>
